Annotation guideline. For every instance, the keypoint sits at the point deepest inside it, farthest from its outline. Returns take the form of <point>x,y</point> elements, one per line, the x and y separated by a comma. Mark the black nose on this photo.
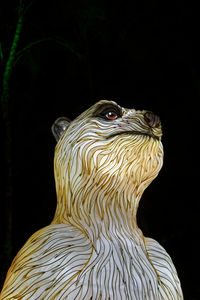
<point>152,119</point>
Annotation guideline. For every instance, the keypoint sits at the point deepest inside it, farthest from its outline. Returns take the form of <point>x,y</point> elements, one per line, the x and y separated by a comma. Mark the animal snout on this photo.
<point>152,119</point>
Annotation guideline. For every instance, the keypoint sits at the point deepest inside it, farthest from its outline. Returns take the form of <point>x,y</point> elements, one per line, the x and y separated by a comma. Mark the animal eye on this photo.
<point>111,115</point>
<point>108,112</point>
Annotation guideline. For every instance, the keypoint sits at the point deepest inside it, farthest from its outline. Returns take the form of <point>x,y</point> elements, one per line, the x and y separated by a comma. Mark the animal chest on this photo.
<point>118,270</point>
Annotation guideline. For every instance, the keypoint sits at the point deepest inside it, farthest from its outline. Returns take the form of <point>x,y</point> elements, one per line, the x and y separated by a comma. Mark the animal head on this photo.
<point>108,154</point>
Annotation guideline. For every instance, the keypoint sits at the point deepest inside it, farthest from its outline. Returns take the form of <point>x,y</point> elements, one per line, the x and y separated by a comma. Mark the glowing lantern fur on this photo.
<point>94,249</point>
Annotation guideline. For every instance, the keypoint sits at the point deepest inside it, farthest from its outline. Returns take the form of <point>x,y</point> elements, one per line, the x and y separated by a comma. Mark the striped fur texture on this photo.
<point>93,249</point>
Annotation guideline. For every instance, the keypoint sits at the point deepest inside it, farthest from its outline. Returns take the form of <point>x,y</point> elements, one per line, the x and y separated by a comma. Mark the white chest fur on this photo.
<point>59,262</point>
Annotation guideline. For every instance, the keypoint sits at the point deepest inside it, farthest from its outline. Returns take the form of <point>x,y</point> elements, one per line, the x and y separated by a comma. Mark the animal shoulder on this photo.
<point>164,268</point>
<point>48,261</point>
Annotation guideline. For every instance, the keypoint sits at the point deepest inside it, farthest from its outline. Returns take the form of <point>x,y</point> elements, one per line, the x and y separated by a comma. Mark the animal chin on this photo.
<point>149,134</point>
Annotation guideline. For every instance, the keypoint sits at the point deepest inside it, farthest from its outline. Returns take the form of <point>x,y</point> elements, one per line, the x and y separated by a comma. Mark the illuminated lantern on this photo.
<point>93,249</point>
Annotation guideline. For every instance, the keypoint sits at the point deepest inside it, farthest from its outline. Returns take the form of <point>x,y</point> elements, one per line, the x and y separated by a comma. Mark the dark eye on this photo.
<point>111,115</point>
<point>108,112</point>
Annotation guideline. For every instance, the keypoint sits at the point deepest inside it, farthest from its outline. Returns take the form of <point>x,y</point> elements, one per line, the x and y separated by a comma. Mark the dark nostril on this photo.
<point>152,119</point>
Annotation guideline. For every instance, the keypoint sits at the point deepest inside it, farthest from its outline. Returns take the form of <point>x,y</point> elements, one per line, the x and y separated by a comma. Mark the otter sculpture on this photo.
<point>93,249</point>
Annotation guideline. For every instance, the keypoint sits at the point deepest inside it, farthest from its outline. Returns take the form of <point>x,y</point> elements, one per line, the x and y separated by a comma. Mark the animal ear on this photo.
<point>59,127</point>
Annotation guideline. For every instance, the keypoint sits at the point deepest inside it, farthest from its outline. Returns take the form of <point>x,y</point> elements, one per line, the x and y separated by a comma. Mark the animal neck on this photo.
<point>107,217</point>
<point>99,187</point>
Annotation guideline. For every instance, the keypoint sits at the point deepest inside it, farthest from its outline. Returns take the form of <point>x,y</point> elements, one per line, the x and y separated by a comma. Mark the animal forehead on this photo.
<point>97,108</point>
<point>103,104</point>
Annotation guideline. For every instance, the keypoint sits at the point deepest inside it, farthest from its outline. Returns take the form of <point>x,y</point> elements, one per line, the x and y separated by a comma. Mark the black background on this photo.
<point>142,54</point>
